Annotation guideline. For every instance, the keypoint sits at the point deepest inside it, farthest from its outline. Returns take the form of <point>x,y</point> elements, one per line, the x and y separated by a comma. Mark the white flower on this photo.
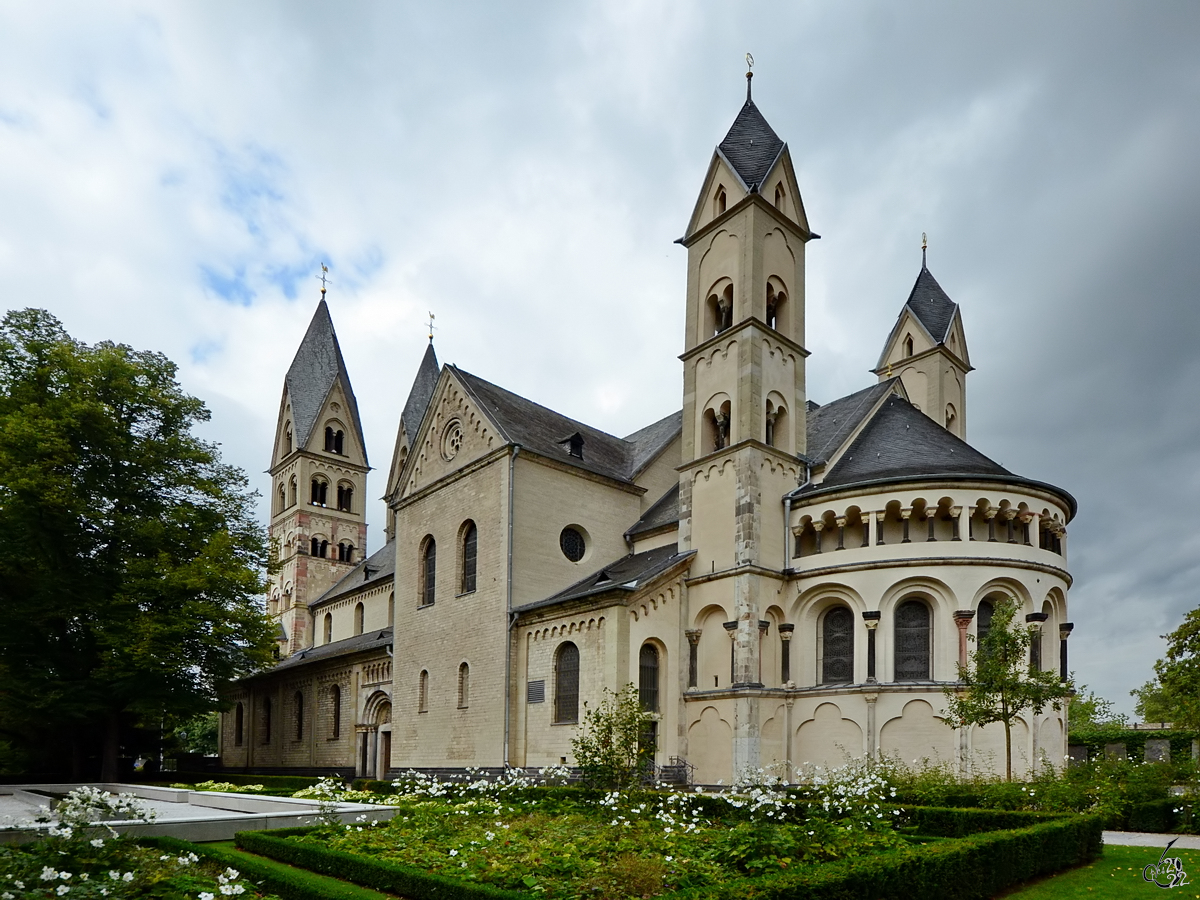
<point>65,876</point>
<point>238,889</point>
<point>6,896</point>
<point>63,889</point>
<point>114,874</point>
<point>205,895</point>
<point>97,842</point>
<point>84,876</point>
<point>454,853</point>
<point>48,874</point>
<point>127,877</point>
<point>226,889</point>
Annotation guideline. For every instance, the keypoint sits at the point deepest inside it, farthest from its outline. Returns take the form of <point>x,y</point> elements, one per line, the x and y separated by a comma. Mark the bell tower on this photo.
<point>318,482</point>
<point>743,395</point>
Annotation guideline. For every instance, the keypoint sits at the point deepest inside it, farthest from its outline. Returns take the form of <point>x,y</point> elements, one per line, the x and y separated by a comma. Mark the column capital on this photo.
<point>693,635</point>
<point>871,618</point>
<point>1026,517</point>
<point>841,521</point>
<point>990,512</point>
<point>818,524</point>
<point>785,631</point>
<point>963,617</point>
<point>1065,629</point>
<point>1036,617</point>
<point>906,512</point>
<point>1008,514</point>
<point>870,697</point>
<point>956,511</point>
<point>764,625</point>
<point>730,628</point>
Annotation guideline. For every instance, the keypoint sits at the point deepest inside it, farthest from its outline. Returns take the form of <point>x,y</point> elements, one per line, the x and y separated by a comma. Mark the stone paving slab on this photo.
<point>1149,839</point>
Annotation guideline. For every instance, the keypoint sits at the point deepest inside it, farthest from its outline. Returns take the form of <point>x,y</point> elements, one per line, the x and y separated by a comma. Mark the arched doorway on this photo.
<point>374,755</point>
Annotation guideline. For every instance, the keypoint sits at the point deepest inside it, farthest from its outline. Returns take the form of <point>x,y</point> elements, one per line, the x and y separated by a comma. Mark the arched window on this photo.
<point>345,497</point>
<point>266,720</point>
<point>464,685</point>
<point>908,345</point>
<point>950,417</point>
<point>358,619</point>
<point>239,724</point>
<point>837,646</point>
<point>318,547</point>
<point>912,641</point>
<point>727,307</point>
<point>470,553</point>
<point>334,440</point>
<point>345,552</point>
<point>328,627</point>
<point>292,491</point>
<point>719,201</point>
<point>423,692</point>
<point>648,677</point>
<point>287,438</point>
<point>779,195</point>
<point>775,302</point>
<point>983,621</point>
<point>282,499</point>
<point>566,683</point>
<point>339,442</point>
<point>320,492</point>
<point>428,573</point>
<point>335,712</point>
<point>392,608</point>
<point>298,704</point>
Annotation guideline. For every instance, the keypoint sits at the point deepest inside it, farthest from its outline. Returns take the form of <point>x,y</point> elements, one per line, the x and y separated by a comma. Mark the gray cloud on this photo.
<point>171,177</point>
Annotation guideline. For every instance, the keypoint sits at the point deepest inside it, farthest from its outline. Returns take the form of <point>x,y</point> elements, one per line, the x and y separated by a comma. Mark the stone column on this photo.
<point>871,698</point>
<point>1009,516</point>
<point>931,521</point>
<point>1064,632</point>
<point>962,618</point>
<point>905,514</point>
<point>788,702</point>
<point>956,523</point>
<point>796,532</point>
<point>877,522</point>
<point>785,654</point>
<point>866,527</point>
<point>731,630</point>
<point>990,515</point>
<point>841,527</point>
<point>1025,518</point>
<point>1035,645</point>
<point>764,626</point>
<point>693,638</point>
<point>871,619</point>
<point>818,526</point>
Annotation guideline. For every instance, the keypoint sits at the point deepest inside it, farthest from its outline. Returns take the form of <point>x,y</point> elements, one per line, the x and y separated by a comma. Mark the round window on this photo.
<point>571,541</point>
<point>452,440</point>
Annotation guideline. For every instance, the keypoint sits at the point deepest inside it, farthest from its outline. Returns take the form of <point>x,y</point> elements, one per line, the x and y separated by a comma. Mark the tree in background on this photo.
<point>1174,696</point>
<point>1152,703</point>
<point>1089,710</point>
<point>131,568</point>
<point>998,684</point>
<point>609,746</point>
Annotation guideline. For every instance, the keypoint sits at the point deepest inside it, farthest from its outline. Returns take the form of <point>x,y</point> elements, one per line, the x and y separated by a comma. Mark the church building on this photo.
<point>786,582</point>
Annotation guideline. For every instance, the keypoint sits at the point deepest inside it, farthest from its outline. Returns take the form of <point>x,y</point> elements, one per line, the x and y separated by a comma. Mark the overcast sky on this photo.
<point>172,175</point>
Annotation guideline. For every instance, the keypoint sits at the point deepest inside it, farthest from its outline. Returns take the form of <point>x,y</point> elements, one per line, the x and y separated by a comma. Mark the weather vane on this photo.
<point>322,277</point>
<point>749,74</point>
<point>749,62</point>
<point>431,326</point>
<point>924,244</point>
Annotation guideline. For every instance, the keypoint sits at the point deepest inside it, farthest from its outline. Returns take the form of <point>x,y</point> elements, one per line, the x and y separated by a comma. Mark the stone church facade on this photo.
<point>786,582</point>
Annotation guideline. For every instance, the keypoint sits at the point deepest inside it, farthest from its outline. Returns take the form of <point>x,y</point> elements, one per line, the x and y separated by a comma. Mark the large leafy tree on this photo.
<point>998,684</point>
<point>1175,695</point>
<point>130,565</point>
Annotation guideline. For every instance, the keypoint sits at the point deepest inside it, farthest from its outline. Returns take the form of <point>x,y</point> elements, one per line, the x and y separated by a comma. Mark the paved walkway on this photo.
<point>1148,839</point>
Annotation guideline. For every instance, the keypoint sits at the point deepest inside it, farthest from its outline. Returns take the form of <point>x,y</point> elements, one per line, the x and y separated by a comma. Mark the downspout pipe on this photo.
<point>508,610</point>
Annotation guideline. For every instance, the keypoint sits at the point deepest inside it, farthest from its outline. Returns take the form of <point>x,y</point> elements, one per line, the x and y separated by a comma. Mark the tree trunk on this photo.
<point>111,749</point>
<point>1007,739</point>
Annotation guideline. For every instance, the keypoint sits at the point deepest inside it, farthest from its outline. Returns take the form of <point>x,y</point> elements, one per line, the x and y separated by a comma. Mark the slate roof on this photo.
<point>664,511</point>
<point>370,640</point>
<point>315,369</point>
<point>828,426</point>
<point>931,305</point>
<point>544,431</point>
<point>751,146</point>
<point>379,566</point>
<point>420,394</point>
<point>626,574</point>
<point>901,441</point>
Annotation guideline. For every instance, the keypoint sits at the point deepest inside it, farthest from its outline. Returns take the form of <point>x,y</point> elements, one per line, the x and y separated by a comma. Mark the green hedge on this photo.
<point>969,868</point>
<point>966,868</point>
<point>1158,816</point>
<point>271,782</point>
<point>290,884</point>
<point>389,877</point>
<point>942,822</point>
<point>1135,741</point>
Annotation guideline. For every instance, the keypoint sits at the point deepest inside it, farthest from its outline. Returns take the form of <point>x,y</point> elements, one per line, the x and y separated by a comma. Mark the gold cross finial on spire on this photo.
<point>431,326</point>
<point>323,278</point>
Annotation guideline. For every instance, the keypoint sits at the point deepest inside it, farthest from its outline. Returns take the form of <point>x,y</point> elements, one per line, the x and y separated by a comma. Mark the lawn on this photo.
<point>1117,875</point>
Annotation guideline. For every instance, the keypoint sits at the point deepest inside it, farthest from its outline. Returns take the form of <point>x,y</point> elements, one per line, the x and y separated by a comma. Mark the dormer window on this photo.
<point>573,445</point>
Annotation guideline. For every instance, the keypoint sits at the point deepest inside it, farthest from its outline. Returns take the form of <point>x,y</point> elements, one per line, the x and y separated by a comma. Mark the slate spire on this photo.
<point>316,368</point>
<point>751,146</point>
<point>930,304</point>
<point>421,393</point>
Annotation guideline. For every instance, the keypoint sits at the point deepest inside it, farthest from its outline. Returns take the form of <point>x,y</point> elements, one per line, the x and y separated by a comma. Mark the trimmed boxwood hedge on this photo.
<point>290,884</point>
<point>974,867</point>
<point>1158,816</point>
<point>382,875</point>
<point>943,822</point>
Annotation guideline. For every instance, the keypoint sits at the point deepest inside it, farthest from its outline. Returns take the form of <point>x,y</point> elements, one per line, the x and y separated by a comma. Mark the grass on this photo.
<point>1117,875</point>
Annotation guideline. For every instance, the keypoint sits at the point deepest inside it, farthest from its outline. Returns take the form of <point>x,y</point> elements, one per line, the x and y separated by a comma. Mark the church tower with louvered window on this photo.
<point>318,482</point>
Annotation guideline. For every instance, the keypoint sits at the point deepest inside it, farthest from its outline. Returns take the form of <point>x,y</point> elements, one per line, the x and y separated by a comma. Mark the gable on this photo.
<point>721,176</point>
<point>455,431</point>
<point>782,175</point>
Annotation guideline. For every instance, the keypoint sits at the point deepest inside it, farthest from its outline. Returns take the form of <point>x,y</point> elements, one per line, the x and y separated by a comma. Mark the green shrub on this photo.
<point>374,873</point>
<point>945,822</point>
<point>270,782</point>
<point>1156,815</point>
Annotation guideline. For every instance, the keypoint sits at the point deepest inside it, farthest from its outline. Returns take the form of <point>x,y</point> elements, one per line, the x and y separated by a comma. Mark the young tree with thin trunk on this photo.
<point>998,683</point>
<point>131,567</point>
